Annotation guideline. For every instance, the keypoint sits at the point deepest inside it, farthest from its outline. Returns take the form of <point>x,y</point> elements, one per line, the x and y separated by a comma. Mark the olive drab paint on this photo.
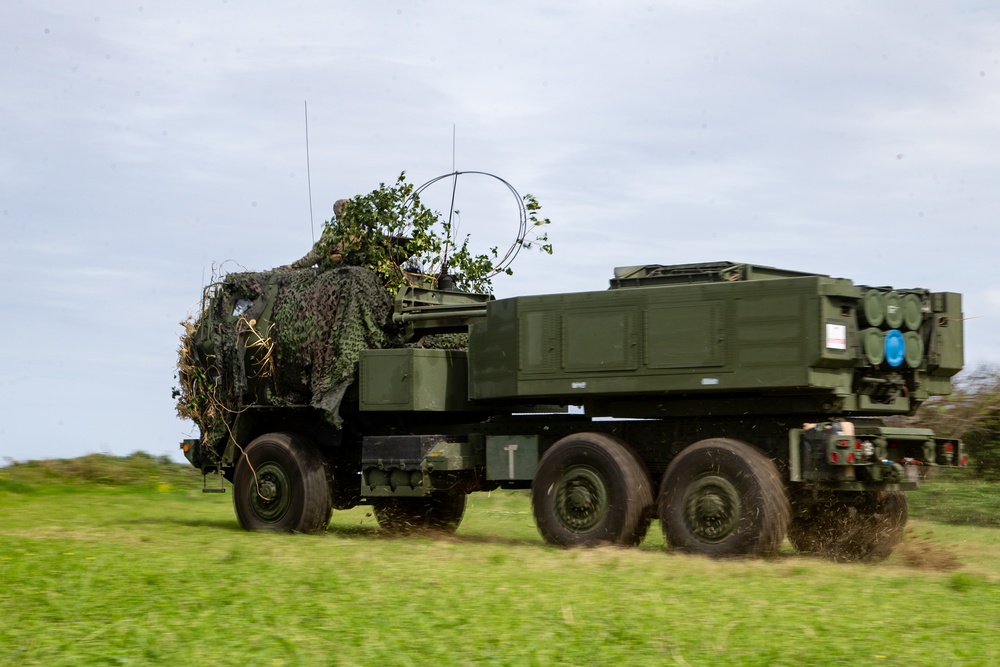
<point>716,333</point>
<point>737,403</point>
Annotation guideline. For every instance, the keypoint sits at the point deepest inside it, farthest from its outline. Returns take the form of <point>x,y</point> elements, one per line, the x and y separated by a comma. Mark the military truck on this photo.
<point>738,404</point>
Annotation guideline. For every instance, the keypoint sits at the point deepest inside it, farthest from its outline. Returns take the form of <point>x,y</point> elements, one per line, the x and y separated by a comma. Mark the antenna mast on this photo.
<point>312,230</point>
<point>451,208</point>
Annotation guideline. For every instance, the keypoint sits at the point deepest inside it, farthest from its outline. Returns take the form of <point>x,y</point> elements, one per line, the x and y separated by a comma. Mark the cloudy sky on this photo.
<point>146,144</point>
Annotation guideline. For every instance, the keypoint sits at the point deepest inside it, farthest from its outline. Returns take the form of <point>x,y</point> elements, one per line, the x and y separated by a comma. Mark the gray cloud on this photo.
<point>144,145</point>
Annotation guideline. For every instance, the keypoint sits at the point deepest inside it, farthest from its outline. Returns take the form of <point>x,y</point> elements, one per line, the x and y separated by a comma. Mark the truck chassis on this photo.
<point>712,417</point>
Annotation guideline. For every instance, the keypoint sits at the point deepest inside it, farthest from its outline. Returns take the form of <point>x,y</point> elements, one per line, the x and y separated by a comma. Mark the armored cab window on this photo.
<point>241,307</point>
<point>236,303</point>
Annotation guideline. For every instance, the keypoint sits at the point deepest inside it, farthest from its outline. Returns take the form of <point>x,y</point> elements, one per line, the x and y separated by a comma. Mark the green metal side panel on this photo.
<point>753,335</point>
<point>945,356</point>
<point>599,339</point>
<point>772,329</point>
<point>414,379</point>
<point>511,457</point>
<point>685,335</point>
<point>497,358</point>
<point>386,380</point>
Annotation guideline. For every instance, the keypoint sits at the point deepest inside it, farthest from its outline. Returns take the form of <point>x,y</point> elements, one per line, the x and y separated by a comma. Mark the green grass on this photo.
<point>157,573</point>
<point>956,497</point>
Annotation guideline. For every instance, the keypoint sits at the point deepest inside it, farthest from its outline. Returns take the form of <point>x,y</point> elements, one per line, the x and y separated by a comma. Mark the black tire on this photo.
<point>281,484</point>
<point>721,498</point>
<point>857,527</point>
<point>439,512</point>
<point>886,523</point>
<point>812,527</point>
<point>591,489</point>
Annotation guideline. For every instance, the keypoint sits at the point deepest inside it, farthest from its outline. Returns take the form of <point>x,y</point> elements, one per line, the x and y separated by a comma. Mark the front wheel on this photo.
<point>280,484</point>
<point>591,489</point>
<point>723,497</point>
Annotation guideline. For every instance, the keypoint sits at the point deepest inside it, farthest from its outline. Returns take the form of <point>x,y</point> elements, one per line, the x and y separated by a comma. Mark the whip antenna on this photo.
<point>312,230</point>
<point>451,208</point>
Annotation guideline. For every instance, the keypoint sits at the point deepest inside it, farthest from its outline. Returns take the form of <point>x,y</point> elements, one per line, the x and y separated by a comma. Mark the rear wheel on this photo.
<point>441,511</point>
<point>281,484</point>
<point>862,527</point>
<point>591,489</point>
<point>723,497</point>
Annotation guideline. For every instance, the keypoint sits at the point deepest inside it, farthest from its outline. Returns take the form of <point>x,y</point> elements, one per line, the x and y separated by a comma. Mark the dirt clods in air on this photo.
<point>919,549</point>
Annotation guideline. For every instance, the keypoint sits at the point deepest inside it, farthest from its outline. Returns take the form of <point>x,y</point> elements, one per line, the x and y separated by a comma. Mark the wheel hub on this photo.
<point>712,508</point>
<point>581,498</point>
<point>711,505</point>
<point>269,494</point>
<point>268,490</point>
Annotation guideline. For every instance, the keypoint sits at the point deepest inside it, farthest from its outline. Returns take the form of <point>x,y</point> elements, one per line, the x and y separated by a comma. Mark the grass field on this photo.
<point>126,562</point>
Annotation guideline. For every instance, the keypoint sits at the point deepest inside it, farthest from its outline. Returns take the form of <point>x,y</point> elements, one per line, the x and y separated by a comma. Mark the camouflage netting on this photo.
<point>456,341</point>
<point>303,350</point>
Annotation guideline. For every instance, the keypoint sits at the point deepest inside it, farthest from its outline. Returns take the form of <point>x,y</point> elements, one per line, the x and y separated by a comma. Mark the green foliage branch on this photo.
<point>390,231</point>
